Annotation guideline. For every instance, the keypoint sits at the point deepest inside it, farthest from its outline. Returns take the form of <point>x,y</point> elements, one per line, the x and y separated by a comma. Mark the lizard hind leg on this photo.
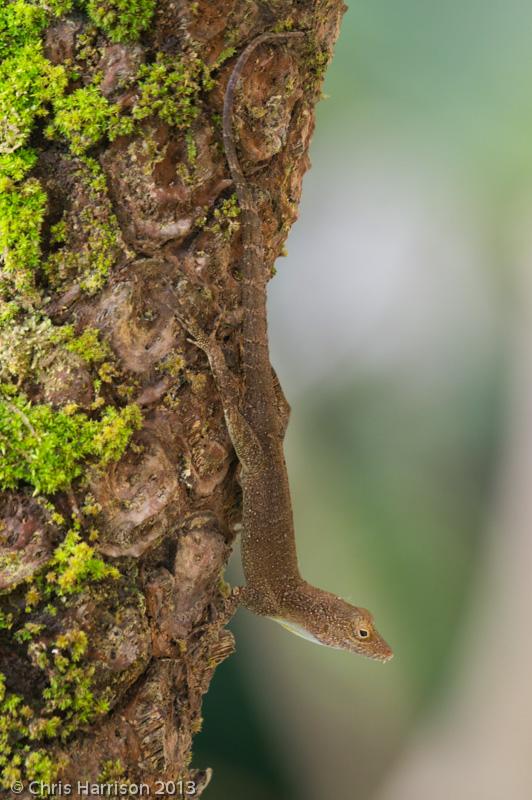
<point>245,442</point>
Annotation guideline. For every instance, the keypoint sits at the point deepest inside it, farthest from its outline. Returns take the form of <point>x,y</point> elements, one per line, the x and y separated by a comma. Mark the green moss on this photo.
<point>70,692</point>
<point>121,20</point>
<point>73,565</point>
<point>26,342</point>
<point>8,312</point>
<point>91,507</point>
<point>32,599</point>
<point>112,772</point>
<point>115,431</point>
<point>226,216</point>
<point>286,24</point>
<point>30,86</point>
<point>68,702</point>
<point>19,21</point>
<point>170,88</point>
<point>226,53</point>
<point>58,232</point>
<point>47,448</point>
<point>100,252</point>
<point>27,632</point>
<point>14,716</point>
<point>94,176</point>
<point>40,767</point>
<point>316,60</point>
<point>82,118</point>
<point>192,149</point>
<point>29,83</point>
<point>85,117</point>
<point>90,347</point>
<point>6,621</point>
<point>90,236</point>
<point>15,166</point>
<point>56,7</point>
<point>173,363</point>
<point>22,211</point>
<point>40,446</point>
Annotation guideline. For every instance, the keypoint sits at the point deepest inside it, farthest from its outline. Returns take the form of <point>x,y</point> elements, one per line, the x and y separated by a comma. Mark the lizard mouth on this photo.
<point>376,648</point>
<point>386,657</point>
<point>384,653</point>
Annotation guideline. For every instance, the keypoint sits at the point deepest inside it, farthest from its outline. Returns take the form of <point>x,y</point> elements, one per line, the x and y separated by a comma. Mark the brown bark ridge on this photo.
<point>109,638</point>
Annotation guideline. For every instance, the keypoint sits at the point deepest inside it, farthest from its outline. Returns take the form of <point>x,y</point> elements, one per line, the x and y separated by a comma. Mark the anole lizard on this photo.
<point>274,586</point>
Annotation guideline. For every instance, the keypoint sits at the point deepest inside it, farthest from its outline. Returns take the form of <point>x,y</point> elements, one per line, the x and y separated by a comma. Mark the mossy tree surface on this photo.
<point>118,494</point>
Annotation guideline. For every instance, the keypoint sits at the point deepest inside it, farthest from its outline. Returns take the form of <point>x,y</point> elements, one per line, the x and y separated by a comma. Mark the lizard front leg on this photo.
<point>245,442</point>
<point>247,447</point>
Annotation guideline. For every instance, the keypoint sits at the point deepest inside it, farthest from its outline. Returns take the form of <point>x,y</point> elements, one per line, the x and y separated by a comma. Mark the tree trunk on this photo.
<point>119,494</point>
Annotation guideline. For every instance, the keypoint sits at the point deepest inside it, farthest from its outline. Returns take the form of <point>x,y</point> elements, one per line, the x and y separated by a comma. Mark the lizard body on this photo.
<point>274,586</point>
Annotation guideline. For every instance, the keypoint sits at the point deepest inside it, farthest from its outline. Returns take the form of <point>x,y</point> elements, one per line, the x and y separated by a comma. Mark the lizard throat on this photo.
<point>298,630</point>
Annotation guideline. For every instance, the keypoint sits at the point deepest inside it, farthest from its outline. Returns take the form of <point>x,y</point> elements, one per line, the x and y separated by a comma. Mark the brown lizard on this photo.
<point>274,586</point>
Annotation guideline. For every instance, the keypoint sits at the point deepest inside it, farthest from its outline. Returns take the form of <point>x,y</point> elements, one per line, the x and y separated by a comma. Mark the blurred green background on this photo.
<point>399,332</point>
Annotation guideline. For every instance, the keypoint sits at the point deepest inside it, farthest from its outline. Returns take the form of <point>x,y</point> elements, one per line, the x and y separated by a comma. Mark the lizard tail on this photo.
<point>259,402</point>
<point>243,191</point>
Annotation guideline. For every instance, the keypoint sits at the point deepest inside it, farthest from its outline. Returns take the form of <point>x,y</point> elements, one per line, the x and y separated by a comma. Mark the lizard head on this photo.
<point>351,628</point>
<point>326,619</point>
<point>358,634</point>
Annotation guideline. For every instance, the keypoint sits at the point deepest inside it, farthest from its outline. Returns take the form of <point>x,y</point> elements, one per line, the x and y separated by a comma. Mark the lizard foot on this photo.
<point>205,341</point>
<point>210,345</point>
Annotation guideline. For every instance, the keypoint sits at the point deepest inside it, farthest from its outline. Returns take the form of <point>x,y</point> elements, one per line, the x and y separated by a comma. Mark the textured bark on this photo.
<point>167,511</point>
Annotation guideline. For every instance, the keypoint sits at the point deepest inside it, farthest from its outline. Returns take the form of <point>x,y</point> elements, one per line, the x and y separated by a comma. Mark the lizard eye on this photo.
<point>363,633</point>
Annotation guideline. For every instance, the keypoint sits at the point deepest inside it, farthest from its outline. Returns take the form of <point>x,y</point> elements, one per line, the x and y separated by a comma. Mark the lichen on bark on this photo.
<point>118,482</point>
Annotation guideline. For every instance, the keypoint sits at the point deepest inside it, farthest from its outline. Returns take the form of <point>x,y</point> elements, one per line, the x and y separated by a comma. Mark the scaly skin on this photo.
<point>274,586</point>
